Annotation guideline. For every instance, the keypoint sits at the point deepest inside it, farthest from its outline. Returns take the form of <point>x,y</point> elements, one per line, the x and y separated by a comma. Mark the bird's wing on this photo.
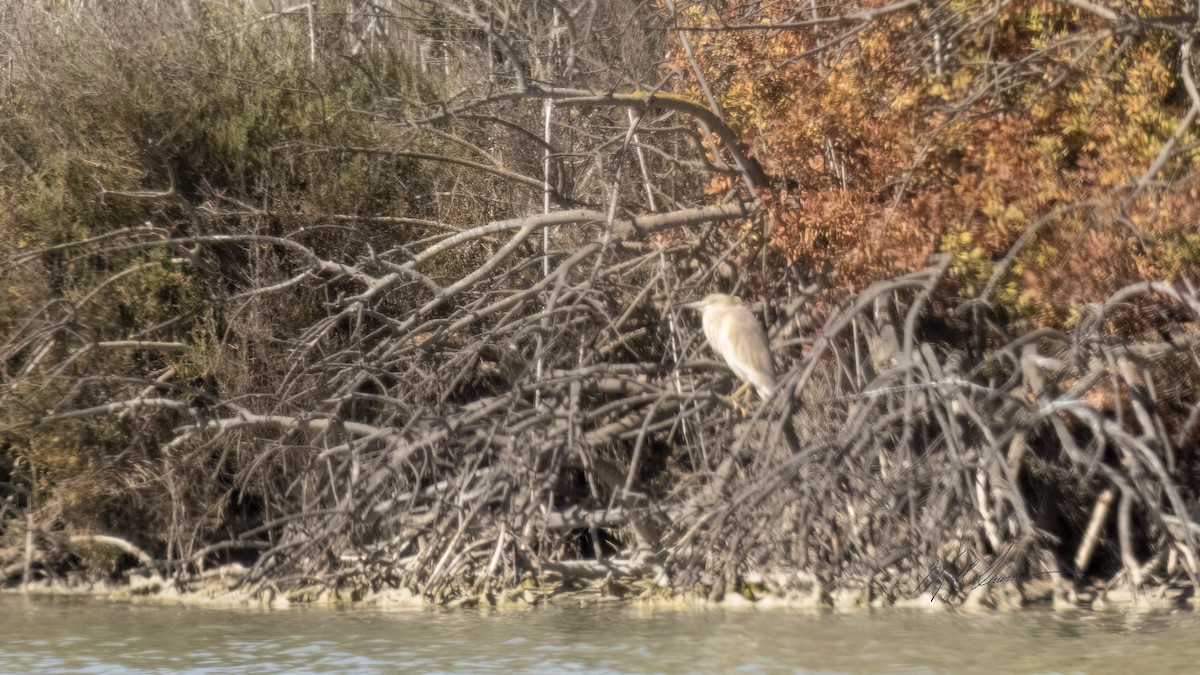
<point>749,354</point>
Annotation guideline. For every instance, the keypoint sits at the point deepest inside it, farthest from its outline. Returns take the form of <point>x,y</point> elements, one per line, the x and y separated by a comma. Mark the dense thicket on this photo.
<point>382,294</point>
<point>1046,135</point>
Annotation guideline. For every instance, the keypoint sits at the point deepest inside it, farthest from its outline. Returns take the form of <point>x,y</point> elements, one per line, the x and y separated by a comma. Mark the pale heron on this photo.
<point>734,333</point>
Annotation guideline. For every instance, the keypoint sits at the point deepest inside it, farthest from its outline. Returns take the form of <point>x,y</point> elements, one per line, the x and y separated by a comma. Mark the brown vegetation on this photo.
<point>374,295</point>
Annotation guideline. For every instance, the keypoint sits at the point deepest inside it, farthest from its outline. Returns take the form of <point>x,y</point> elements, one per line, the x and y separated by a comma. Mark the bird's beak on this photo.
<point>699,304</point>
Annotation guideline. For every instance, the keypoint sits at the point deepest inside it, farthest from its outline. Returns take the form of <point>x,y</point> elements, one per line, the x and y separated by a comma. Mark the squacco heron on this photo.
<point>736,335</point>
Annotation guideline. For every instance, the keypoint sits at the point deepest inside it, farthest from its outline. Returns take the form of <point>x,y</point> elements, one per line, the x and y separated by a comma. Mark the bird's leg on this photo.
<point>741,392</point>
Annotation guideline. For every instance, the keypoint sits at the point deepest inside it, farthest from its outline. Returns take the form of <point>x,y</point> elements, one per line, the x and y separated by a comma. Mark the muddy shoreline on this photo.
<point>219,588</point>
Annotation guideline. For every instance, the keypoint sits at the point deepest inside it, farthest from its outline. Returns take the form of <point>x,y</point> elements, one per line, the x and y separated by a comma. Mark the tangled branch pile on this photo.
<point>373,295</point>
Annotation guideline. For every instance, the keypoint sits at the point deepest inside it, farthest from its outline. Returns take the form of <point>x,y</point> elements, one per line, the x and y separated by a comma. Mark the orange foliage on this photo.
<point>884,145</point>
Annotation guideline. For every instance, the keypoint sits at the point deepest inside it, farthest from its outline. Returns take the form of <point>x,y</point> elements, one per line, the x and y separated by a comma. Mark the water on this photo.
<point>48,635</point>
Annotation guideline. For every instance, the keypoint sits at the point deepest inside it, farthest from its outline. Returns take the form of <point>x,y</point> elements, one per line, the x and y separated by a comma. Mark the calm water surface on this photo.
<point>49,635</point>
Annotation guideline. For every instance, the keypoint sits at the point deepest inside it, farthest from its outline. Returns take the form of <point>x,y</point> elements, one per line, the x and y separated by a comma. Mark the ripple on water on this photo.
<point>72,635</point>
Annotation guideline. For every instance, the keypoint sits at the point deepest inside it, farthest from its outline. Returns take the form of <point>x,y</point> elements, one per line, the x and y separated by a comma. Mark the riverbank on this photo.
<point>219,588</point>
<point>358,319</point>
